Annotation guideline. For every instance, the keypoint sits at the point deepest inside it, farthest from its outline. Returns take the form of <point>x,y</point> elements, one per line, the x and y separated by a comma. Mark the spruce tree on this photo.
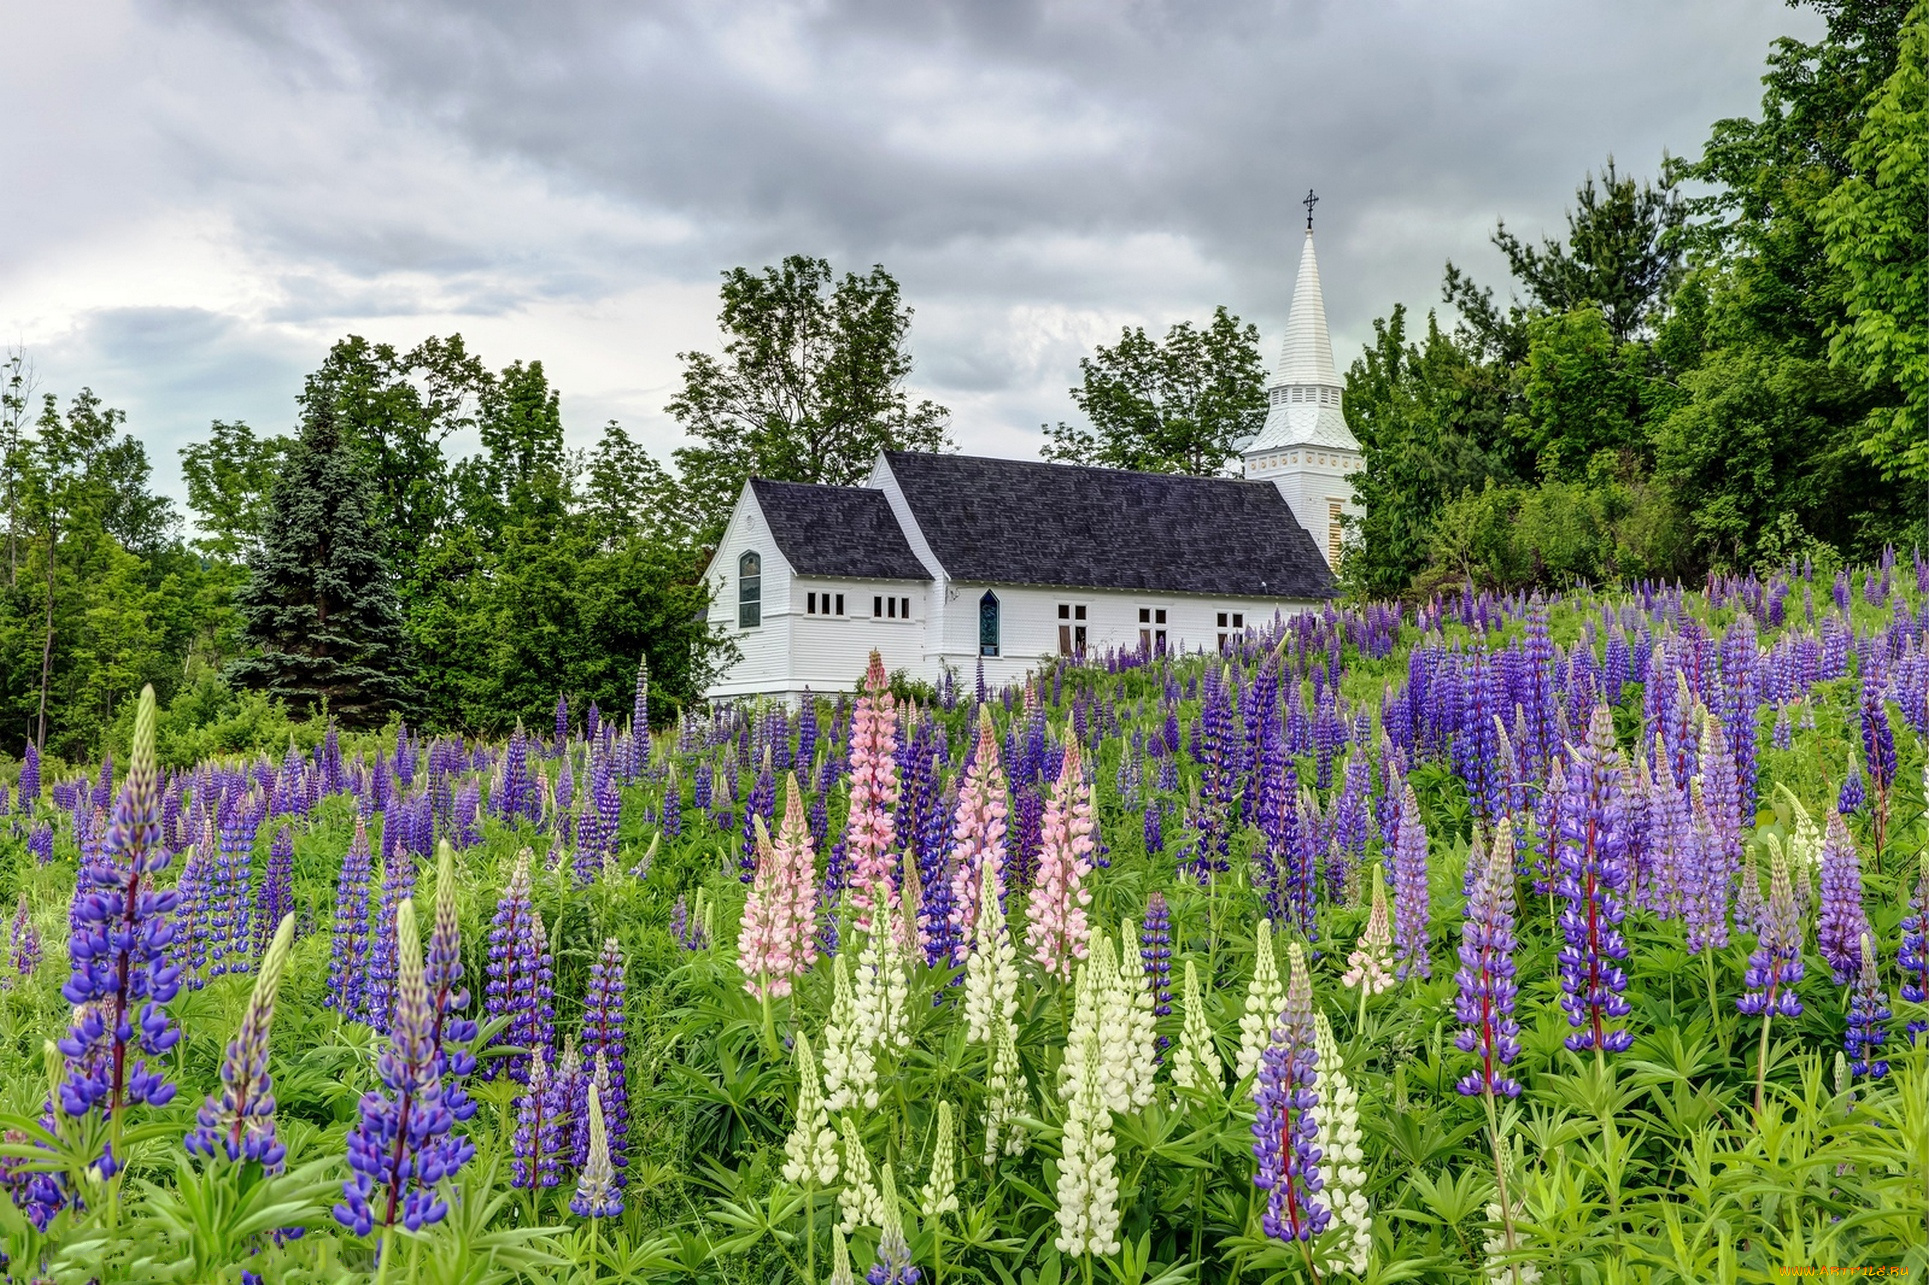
<point>319,612</point>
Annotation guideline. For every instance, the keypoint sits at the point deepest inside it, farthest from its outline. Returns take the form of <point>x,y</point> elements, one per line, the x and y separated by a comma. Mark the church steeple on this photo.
<point>1306,357</point>
<point>1305,446</point>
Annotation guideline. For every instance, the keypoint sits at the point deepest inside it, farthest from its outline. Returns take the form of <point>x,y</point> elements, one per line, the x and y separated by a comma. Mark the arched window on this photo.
<point>750,591</point>
<point>988,624</point>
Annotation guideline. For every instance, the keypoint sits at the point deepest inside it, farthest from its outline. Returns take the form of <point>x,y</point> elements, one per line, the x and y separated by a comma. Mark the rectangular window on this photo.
<point>810,604</point>
<point>1145,640</point>
<point>1078,613</point>
<point>1064,611</point>
<point>877,607</point>
<point>1145,615</point>
<point>1334,530</point>
<point>1078,639</point>
<point>1158,616</point>
<point>1222,620</point>
<point>1064,640</point>
<point>840,605</point>
<point>904,608</point>
<point>1238,620</point>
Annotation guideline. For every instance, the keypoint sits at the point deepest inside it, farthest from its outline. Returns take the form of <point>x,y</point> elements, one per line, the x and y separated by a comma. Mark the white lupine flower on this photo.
<point>840,1259</point>
<point>1195,1063</point>
<point>1115,1061</point>
<point>940,1194</point>
<point>1265,997</point>
<point>1089,988</point>
<point>1005,1098</point>
<point>884,983</point>
<point>859,1202</point>
<point>1342,1159</point>
<point>1496,1270</point>
<point>810,1152</point>
<point>991,971</point>
<point>1134,994</point>
<point>850,1067</point>
<point>1088,1185</point>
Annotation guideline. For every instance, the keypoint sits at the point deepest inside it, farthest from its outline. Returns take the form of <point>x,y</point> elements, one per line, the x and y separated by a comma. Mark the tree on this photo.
<point>398,409</point>
<point>1874,229</point>
<point>319,609</point>
<point>229,479</point>
<point>809,389</point>
<point>1181,406</point>
<point>626,493</point>
<point>1431,420</point>
<point>519,418</point>
<point>1620,257</point>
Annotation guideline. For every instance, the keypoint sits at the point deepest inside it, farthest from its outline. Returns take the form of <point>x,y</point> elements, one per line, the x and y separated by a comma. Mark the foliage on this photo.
<point>1653,1161</point>
<point>1181,405</point>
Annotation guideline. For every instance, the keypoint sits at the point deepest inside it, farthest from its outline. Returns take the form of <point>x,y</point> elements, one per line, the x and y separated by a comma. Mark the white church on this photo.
<point>946,561</point>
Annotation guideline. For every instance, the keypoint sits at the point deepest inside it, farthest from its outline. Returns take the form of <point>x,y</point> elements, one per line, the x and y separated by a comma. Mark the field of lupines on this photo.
<point>1509,941</point>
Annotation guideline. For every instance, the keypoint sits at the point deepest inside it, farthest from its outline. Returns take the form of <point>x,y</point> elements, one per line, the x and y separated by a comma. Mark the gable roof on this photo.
<point>837,531</point>
<point>1025,523</point>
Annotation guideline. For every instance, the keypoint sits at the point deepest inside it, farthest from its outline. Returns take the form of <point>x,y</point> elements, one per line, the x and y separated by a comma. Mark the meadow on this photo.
<point>1571,940</point>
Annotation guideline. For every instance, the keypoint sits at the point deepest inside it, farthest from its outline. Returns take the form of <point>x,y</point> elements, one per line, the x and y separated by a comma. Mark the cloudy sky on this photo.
<point>199,196</point>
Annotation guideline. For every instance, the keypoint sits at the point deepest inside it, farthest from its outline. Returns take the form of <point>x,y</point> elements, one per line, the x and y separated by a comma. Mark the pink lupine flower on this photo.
<point>977,836</point>
<point>1057,930</point>
<point>777,937</point>
<point>872,831</point>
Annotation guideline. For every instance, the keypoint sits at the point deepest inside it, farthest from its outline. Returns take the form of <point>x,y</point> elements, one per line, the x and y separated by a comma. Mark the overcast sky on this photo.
<point>199,197</point>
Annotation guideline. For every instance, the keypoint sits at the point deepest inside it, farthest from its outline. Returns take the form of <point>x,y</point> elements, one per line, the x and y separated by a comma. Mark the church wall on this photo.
<point>765,660</point>
<point>1029,623</point>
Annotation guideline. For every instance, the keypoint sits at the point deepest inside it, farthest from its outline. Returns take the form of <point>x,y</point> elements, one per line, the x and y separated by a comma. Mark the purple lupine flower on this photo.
<point>230,938</point>
<point>29,779</point>
<point>277,895</point>
<point>568,1085</point>
<point>398,886</point>
<point>1913,958</point>
<point>1593,878</point>
<point>1842,924</point>
<point>1485,1005</point>
<point>451,1033</point>
<point>538,1144</point>
<point>1878,750</point>
<point>605,1043</point>
<point>763,803</point>
<point>40,842</point>
<point>519,972</point>
<point>1412,911</point>
<point>597,1194</point>
<point>1155,948</point>
<point>1349,826</point>
<point>121,980</point>
<point>1868,1017</point>
<point>516,797</point>
<point>240,1123</point>
<point>26,941</point>
<point>395,1149</point>
<point>1775,965</point>
<point>1154,827</point>
<point>671,819</point>
<point>1853,796</point>
<point>1284,1129</point>
<point>348,959</point>
<point>640,713</point>
<point>562,721</point>
<point>1740,697</point>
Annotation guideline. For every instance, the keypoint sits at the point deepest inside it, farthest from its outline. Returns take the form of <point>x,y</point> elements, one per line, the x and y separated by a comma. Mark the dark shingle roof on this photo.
<point>837,531</point>
<point>1025,523</point>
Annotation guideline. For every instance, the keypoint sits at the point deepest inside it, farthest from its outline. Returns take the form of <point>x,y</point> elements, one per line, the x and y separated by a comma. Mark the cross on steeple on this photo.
<point>1309,203</point>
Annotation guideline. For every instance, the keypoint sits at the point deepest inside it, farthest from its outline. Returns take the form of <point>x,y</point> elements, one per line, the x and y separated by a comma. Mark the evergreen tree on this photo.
<point>319,610</point>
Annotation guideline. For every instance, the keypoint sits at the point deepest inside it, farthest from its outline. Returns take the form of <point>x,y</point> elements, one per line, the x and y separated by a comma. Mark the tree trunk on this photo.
<point>47,649</point>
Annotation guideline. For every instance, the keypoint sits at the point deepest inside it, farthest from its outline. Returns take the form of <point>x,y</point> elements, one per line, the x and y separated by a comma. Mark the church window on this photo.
<point>810,604</point>
<point>840,606</point>
<point>1334,530</point>
<point>1233,621</point>
<point>750,591</point>
<point>1151,638</point>
<point>1071,628</point>
<point>988,624</point>
<point>824,604</point>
